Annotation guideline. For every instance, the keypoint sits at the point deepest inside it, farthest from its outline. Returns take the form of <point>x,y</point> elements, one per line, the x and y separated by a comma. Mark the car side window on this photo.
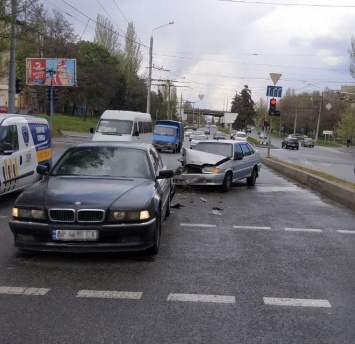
<point>238,148</point>
<point>251,149</point>
<point>156,160</point>
<point>245,149</point>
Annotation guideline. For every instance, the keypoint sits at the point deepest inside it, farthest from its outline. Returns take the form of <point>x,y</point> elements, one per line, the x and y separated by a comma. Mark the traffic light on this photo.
<point>272,107</point>
<point>18,85</point>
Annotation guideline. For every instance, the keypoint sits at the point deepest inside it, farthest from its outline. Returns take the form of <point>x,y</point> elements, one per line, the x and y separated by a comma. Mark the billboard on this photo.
<point>230,117</point>
<point>56,72</point>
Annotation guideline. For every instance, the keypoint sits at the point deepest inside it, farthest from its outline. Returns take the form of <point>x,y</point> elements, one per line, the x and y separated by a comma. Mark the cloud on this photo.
<point>217,47</point>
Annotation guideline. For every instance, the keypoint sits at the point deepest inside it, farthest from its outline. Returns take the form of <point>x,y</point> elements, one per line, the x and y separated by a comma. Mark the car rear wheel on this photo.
<point>155,248</point>
<point>252,179</point>
<point>227,182</point>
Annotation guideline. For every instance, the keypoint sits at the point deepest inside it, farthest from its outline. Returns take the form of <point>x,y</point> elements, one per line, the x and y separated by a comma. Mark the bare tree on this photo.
<point>106,35</point>
<point>351,52</point>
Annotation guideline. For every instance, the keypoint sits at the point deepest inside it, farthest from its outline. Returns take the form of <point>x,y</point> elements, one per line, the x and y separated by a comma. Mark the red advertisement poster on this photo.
<point>36,71</point>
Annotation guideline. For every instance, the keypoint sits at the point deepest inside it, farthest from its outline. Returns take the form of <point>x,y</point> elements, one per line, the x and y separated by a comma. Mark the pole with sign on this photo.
<point>275,77</point>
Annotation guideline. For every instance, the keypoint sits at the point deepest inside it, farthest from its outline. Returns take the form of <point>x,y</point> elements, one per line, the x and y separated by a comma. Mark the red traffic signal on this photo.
<point>272,107</point>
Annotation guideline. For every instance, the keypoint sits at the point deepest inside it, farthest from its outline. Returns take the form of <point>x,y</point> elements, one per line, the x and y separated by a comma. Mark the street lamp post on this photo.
<point>151,64</point>
<point>199,112</point>
<point>318,121</point>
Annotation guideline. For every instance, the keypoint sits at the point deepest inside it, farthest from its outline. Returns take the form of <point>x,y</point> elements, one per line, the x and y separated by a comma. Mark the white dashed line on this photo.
<point>196,225</point>
<point>201,298</point>
<point>23,291</point>
<point>3,217</point>
<point>344,231</point>
<point>304,230</point>
<point>250,227</point>
<point>296,302</point>
<point>110,294</point>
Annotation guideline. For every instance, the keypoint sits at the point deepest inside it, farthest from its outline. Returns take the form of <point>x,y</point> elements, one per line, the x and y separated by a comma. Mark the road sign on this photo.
<point>274,91</point>
<point>275,77</point>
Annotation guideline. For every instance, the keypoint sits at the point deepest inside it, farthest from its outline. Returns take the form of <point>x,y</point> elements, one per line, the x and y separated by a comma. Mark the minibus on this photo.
<point>119,125</point>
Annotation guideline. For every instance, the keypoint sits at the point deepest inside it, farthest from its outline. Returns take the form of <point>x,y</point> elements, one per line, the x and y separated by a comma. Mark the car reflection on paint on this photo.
<point>99,197</point>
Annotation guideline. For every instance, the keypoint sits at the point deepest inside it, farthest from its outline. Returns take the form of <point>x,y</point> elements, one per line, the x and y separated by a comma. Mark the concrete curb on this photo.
<point>338,193</point>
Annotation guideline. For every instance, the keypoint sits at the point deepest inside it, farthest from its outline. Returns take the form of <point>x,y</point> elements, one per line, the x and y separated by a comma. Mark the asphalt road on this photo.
<point>271,263</point>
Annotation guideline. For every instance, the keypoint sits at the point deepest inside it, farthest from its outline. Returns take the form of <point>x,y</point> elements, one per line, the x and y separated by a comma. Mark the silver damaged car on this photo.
<point>218,163</point>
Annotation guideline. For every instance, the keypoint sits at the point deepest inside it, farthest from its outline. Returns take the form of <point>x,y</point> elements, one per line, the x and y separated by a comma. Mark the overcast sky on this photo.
<point>215,47</point>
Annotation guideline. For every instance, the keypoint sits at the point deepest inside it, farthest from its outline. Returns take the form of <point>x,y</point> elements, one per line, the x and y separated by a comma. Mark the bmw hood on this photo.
<point>66,191</point>
<point>194,157</point>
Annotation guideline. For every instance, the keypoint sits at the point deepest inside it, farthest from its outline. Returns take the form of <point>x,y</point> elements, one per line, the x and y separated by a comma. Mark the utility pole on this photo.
<point>12,66</point>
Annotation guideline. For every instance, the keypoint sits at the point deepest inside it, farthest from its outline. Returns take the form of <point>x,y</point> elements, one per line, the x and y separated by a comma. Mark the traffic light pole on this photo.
<point>51,99</point>
<point>269,142</point>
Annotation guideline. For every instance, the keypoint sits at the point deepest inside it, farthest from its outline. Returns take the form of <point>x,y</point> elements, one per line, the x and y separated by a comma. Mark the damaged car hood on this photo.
<point>194,157</point>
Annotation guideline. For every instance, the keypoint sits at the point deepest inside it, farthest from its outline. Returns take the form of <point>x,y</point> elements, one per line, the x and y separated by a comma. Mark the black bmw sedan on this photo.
<point>98,197</point>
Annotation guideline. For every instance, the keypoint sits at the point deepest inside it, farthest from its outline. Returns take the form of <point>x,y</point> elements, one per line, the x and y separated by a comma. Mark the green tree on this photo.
<point>132,59</point>
<point>244,106</point>
<point>346,125</point>
<point>98,78</point>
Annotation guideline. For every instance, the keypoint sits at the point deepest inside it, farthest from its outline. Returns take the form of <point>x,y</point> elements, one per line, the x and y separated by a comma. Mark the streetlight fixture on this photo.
<point>151,64</point>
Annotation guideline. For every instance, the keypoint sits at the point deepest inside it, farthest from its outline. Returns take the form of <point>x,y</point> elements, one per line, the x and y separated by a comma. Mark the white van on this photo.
<point>118,125</point>
<point>25,142</point>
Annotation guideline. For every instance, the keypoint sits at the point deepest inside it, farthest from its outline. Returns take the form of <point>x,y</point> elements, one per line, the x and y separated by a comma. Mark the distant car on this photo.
<point>219,163</point>
<point>307,142</point>
<point>248,130</point>
<point>290,142</point>
<point>188,132</point>
<point>241,136</point>
<point>298,136</point>
<point>196,139</point>
<point>4,109</point>
<point>99,197</point>
<point>196,133</point>
<point>219,135</point>
<point>262,136</point>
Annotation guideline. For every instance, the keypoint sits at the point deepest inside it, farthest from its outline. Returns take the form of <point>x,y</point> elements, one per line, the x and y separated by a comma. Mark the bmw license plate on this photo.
<point>77,235</point>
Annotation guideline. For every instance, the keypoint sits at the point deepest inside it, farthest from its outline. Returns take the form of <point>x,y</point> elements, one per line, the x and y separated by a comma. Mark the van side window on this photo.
<point>9,135</point>
<point>135,127</point>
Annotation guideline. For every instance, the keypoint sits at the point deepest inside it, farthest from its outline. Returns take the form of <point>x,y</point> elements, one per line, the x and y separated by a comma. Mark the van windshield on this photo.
<point>115,127</point>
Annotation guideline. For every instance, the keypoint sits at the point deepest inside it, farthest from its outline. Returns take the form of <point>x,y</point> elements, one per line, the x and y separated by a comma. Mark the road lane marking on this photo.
<point>250,227</point>
<point>23,291</point>
<point>303,230</point>
<point>344,231</point>
<point>274,301</point>
<point>196,225</point>
<point>3,217</point>
<point>110,294</point>
<point>201,298</point>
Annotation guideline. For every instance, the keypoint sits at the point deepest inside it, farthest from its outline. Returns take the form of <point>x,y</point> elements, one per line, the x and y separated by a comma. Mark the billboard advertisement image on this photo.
<point>56,72</point>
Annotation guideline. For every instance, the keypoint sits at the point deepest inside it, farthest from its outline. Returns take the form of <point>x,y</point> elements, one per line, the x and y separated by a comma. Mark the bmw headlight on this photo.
<point>27,213</point>
<point>211,169</point>
<point>129,216</point>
